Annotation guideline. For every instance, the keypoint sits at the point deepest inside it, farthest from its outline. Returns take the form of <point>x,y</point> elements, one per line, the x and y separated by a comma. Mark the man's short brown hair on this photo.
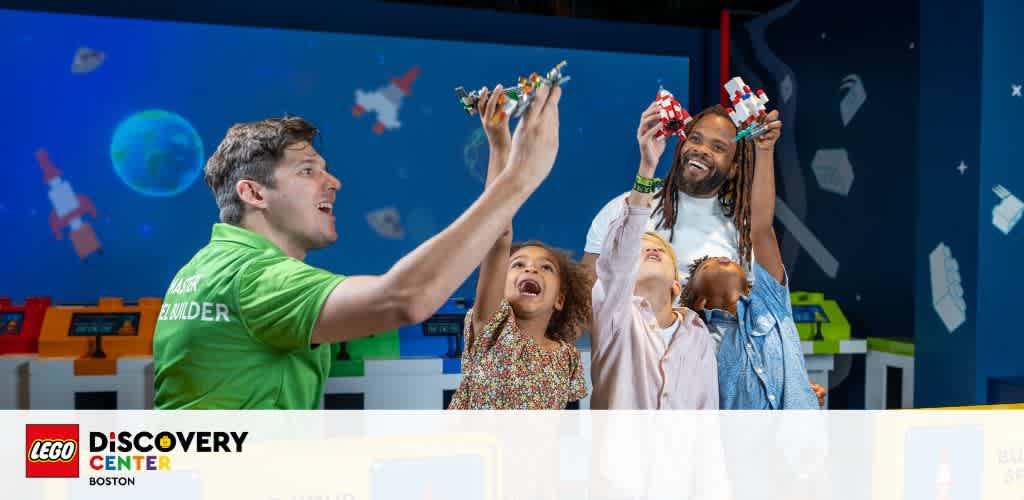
<point>250,151</point>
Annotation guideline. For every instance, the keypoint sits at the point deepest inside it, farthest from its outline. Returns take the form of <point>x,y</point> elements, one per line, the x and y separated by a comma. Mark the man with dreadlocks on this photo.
<point>704,205</point>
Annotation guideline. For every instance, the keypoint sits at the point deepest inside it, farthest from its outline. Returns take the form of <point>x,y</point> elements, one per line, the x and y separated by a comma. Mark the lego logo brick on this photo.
<point>51,450</point>
<point>46,450</point>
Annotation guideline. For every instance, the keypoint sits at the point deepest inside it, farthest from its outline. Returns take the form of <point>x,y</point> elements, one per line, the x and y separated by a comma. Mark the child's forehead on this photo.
<point>718,267</point>
<point>534,252</point>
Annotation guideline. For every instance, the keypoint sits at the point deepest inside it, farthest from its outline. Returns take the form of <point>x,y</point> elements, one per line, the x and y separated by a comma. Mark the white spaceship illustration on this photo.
<point>386,101</point>
<point>387,223</point>
<point>87,60</point>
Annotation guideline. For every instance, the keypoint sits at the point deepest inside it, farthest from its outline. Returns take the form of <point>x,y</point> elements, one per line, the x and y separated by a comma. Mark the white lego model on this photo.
<point>947,292</point>
<point>386,101</point>
<point>747,107</point>
<point>1007,213</point>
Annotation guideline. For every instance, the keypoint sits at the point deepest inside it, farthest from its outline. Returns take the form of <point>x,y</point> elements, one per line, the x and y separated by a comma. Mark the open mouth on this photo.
<point>653,257</point>
<point>697,166</point>
<point>529,288</point>
<point>325,207</point>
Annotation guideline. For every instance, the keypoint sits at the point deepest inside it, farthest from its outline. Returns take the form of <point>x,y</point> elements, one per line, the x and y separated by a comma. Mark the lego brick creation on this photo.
<point>517,98</point>
<point>748,108</point>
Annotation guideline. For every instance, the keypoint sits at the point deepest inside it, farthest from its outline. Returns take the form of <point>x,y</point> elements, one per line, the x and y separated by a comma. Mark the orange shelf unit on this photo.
<point>125,329</point>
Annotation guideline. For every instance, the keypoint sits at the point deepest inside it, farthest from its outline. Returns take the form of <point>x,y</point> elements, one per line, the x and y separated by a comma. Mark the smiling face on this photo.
<point>707,156</point>
<point>533,283</point>
<point>300,206</point>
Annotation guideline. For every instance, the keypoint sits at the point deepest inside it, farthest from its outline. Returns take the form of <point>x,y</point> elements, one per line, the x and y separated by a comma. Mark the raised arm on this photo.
<point>618,263</point>
<point>418,284</point>
<point>762,201</point>
<point>490,286</point>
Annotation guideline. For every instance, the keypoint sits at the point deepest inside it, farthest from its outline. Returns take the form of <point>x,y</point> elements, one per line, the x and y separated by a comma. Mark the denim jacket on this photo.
<point>760,360</point>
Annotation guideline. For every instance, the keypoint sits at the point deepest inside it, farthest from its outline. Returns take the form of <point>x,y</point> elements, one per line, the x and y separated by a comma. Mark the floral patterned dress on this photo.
<point>503,369</point>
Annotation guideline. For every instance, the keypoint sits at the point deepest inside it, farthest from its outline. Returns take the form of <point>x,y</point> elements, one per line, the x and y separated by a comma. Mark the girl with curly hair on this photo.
<point>532,303</point>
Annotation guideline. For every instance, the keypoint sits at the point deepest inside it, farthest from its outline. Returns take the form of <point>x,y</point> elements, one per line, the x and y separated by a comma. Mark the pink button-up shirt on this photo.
<point>631,366</point>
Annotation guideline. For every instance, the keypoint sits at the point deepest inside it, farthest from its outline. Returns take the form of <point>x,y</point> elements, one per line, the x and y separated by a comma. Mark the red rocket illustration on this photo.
<point>386,101</point>
<point>68,209</point>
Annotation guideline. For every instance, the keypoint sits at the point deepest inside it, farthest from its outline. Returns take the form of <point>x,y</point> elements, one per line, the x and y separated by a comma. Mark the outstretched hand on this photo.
<point>766,141</point>
<point>493,117</point>
<point>651,147</point>
<point>535,142</point>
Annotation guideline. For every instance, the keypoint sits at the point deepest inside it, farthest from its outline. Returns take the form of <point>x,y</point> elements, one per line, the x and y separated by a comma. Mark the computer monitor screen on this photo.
<point>103,324</point>
<point>10,322</point>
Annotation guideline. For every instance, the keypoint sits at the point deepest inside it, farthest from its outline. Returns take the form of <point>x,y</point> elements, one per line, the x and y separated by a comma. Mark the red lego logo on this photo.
<point>51,450</point>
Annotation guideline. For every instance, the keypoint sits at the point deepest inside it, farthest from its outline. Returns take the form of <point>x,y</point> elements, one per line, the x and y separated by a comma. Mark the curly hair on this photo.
<point>689,296</point>
<point>574,283</point>
<point>733,196</point>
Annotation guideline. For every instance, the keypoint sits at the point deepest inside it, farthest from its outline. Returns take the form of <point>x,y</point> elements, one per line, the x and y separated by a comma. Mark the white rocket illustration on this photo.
<point>68,209</point>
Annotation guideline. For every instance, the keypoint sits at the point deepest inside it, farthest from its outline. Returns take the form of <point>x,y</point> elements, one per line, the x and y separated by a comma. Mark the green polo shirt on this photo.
<point>235,326</point>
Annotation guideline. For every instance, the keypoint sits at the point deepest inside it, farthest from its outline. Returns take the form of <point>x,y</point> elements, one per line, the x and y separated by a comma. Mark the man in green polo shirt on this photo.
<point>245,322</point>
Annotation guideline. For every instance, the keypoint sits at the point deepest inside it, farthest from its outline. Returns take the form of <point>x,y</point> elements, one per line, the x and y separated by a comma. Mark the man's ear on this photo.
<point>251,193</point>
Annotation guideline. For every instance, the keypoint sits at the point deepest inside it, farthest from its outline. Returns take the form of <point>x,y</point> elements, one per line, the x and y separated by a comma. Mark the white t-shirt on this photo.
<point>669,331</point>
<point>701,229</point>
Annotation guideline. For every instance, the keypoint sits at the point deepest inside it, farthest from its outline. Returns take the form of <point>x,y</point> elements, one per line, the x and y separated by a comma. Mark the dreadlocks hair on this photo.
<point>733,196</point>
<point>574,283</point>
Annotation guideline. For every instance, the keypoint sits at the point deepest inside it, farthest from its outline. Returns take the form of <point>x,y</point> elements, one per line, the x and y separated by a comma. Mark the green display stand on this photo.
<point>898,345</point>
<point>824,346</point>
<point>811,309</point>
<point>348,368</point>
<point>379,346</point>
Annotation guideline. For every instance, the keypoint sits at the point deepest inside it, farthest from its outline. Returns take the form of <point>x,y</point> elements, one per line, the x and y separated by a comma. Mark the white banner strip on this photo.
<point>415,455</point>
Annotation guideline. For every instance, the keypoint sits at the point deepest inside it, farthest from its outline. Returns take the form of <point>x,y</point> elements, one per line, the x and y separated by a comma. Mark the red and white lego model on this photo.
<point>672,115</point>
<point>386,101</point>
<point>68,209</point>
<point>747,107</point>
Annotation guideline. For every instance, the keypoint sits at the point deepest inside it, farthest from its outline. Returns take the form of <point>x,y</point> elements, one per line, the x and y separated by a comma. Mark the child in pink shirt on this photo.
<point>644,353</point>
